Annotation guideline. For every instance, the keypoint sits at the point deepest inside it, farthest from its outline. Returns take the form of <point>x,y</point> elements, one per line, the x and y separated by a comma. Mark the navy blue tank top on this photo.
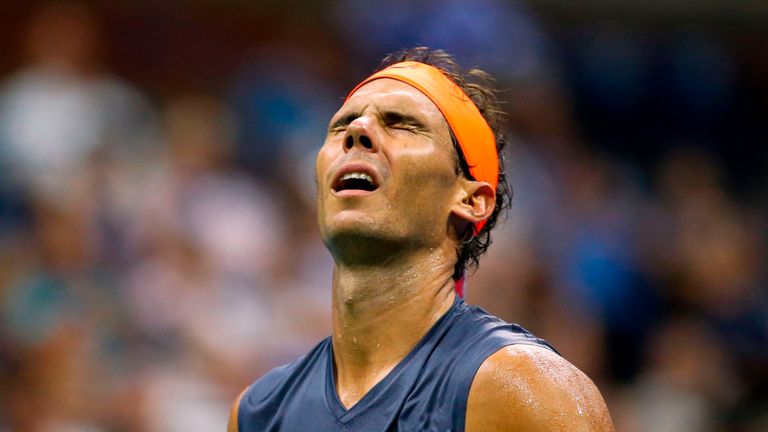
<point>426,391</point>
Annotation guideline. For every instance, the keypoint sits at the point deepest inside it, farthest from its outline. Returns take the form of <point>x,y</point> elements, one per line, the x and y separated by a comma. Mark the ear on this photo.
<point>475,201</point>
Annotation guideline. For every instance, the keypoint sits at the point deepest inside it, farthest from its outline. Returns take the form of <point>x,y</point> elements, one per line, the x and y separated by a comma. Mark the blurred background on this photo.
<point>158,248</point>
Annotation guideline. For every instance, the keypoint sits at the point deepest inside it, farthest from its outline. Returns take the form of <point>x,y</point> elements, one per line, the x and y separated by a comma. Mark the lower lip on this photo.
<point>353,192</point>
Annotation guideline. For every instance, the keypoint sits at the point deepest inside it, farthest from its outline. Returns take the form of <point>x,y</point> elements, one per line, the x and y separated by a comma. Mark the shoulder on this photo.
<point>530,388</point>
<point>256,393</point>
<point>289,374</point>
<point>266,393</point>
<point>232,423</point>
<point>489,331</point>
<point>260,395</point>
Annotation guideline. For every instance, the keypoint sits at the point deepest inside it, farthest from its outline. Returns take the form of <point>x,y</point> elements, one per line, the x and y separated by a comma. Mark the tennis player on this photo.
<point>409,186</point>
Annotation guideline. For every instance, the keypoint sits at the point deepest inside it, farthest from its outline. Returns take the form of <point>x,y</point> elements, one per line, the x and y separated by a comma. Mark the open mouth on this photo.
<point>355,181</point>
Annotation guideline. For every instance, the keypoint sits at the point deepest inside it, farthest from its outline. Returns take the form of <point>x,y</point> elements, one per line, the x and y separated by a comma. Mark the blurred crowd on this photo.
<point>158,248</point>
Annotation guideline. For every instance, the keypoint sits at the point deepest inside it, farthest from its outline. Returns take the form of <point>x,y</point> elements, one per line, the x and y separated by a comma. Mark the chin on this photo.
<point>357,226</point>
<point>362,240</point>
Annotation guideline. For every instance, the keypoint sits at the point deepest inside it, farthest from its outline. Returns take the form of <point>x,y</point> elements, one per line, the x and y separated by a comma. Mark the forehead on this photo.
<point>390,94</point>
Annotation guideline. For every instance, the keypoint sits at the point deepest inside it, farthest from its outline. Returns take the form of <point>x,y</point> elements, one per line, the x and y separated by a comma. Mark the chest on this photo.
<point>411,397</point>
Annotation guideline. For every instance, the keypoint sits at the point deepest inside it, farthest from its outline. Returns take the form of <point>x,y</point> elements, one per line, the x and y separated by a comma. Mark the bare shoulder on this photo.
<point>529,388</point>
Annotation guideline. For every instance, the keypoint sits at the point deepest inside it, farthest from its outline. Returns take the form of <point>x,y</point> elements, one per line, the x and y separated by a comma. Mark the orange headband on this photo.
<point>469,127</point>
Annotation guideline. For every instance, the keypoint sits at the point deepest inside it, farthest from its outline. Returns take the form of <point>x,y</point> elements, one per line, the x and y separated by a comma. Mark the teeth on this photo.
<point>359,176</point>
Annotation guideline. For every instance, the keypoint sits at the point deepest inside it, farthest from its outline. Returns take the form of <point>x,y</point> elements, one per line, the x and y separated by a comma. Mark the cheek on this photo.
<point>427,188</point>
<point>428,170</point>
<point>322,164</point>
<point>322,161</point>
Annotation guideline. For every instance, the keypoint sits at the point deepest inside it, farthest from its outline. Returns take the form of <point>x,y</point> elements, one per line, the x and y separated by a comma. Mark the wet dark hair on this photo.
<point>479,86</point>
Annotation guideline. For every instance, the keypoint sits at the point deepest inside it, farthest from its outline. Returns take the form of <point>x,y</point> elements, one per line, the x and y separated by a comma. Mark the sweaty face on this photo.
<point>387,168</point>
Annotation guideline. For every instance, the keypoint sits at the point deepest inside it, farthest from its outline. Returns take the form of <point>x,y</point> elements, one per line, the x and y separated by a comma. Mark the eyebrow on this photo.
<point>344,121</point>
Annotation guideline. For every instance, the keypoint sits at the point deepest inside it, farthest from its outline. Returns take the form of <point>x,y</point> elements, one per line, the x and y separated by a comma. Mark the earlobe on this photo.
<point>476,202</point>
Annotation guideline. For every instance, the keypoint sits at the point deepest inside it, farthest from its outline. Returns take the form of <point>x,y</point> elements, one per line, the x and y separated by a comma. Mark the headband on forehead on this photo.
<point>475,137</point>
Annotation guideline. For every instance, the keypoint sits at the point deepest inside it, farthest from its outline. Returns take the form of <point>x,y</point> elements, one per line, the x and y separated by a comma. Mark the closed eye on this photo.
<point>390,119</point>
<point>341,124</point>
<point>401,121</point>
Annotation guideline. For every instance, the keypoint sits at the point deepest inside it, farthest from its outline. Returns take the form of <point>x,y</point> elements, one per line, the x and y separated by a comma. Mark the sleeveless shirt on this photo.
<point>426,391</point>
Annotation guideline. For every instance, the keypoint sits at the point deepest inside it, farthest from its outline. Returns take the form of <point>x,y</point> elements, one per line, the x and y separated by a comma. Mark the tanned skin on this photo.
<point>394,250</point>
<point>529,388</point>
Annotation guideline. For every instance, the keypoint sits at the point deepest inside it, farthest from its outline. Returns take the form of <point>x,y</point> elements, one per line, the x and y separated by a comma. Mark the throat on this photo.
<point>375,327</point>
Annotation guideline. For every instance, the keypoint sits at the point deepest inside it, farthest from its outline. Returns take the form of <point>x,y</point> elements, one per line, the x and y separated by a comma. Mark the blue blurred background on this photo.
<point>158,248</point>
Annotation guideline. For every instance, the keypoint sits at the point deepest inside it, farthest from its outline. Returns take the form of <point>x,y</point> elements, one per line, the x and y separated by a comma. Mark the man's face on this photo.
<point>387,168</point>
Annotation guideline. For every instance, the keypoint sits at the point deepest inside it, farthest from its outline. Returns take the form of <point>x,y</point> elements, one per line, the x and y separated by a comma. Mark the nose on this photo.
<point>360,132</point>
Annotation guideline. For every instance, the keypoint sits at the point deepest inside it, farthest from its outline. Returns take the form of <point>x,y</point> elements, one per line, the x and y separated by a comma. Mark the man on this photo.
<point>409,186</point>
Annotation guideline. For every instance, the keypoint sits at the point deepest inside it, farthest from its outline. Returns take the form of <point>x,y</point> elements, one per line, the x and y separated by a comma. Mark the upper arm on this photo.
<point>232,425</point>
<point>528,388</point>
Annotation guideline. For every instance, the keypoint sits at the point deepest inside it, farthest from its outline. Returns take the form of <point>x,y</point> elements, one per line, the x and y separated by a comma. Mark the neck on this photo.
<point>381,312</point>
